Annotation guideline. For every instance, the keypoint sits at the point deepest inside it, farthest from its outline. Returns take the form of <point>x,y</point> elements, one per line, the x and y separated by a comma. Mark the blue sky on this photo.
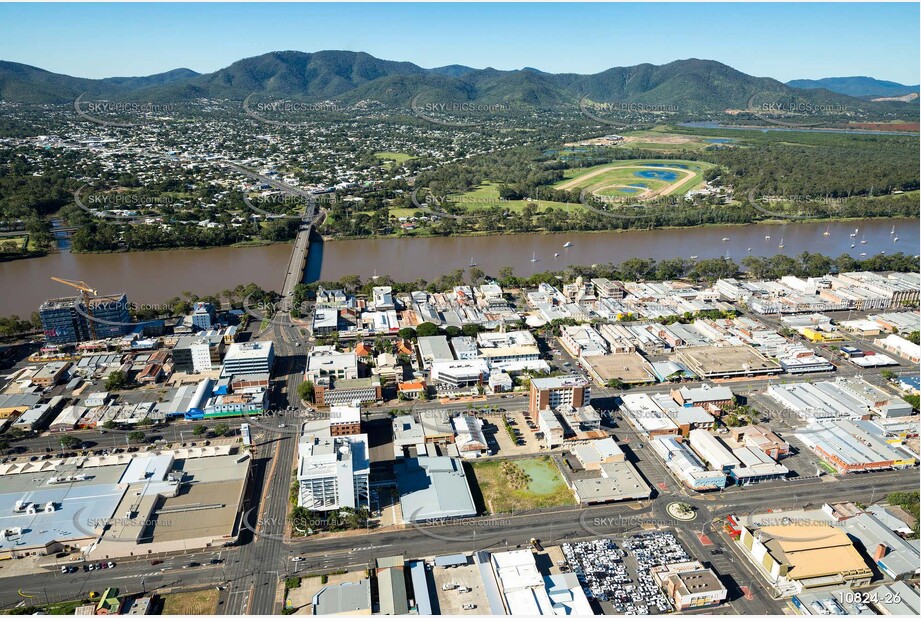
<point>784,41</point>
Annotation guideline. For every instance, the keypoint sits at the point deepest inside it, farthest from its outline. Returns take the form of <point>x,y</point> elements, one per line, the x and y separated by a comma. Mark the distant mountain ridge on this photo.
<point>22,83</point>
<point>858,86</point>
<point>690,85</point>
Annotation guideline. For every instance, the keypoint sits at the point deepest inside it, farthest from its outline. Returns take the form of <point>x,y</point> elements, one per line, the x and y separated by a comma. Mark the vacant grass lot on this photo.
<point>185,603</point>
<point>546,488</point>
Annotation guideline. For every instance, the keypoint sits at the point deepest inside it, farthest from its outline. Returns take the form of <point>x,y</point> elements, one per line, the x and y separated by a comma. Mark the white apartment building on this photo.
<point>333,471</point>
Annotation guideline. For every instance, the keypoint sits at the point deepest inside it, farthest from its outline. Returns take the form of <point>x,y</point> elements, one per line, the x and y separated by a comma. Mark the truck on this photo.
<point>535,543</point>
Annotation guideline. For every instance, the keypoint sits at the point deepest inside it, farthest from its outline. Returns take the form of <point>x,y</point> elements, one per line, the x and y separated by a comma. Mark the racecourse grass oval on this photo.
<point>656,176</point>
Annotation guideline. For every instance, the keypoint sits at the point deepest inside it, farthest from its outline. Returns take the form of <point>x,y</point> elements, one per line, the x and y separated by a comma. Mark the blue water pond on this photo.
<point>665,175</point>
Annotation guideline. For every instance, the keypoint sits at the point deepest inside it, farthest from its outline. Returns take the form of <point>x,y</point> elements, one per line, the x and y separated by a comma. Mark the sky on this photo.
<point>783,41</point>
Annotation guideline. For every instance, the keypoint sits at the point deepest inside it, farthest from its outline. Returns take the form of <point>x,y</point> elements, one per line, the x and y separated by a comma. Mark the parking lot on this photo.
<point>455,579</point>
<point>498,437</point>
<point>618,577</point>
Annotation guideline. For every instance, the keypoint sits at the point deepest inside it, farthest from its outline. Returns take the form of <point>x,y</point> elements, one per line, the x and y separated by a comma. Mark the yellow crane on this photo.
<point>85,291</point>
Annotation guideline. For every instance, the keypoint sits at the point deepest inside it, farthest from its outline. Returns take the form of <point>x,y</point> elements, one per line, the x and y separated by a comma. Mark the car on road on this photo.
<point>716,552</point>
<point>190,565</point>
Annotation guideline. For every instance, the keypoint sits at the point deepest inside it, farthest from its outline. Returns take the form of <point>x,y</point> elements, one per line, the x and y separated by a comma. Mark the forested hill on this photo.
<point>691,85</point>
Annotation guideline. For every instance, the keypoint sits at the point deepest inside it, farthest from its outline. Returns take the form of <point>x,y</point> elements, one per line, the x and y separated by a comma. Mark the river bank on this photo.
<point>152,276</point>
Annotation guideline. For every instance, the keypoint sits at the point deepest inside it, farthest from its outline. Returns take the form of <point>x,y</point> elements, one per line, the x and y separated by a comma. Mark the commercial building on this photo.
<point>408,437</point>
<point>849,446</point>
<point>246,358</point>
<point>344,420</point>
<point>685,465</point>
<point>580,420</point>
<point>345,599</point>
<point>39,416</point>
<point>124,504</point>
<point>337,392</point>
<point>896,558</point>
<point>459,373</point>
<point>761,438</point>
<point>501,350</point>
<point>897,599</point>
<point>470,439</point>
<point>551,427</point>
<point>67,320</point>
<point>198,353</point>
<point>435,348</point>
<point>382,298</point>
<point>437,427</point>
<point>627,368</point>
<point>522,590</point>
<point>605,288</point>
<point>325,321</point>
<point>690,585</point>
<point>571,390</point>
<point>645,416</point>
<point>188,499</point>
<point>464,348</point>
<point>843,397</point>
<point>582,340</point>
<point>68,418</point>
<point>710,398</point>
<point>618,480</point>
<point>901,347</point>
<point>333,471</point>
<point>391,586</point>
<point>17,403</point>
<point>745,465</point>
<point>325,362</point>
<point>433,488</point>
<point>726,362</point>
<point>51,373</point>
<point>794,557</point>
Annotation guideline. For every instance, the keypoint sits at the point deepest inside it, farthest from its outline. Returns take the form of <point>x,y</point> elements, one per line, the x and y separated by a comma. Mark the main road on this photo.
<point>265,559</point>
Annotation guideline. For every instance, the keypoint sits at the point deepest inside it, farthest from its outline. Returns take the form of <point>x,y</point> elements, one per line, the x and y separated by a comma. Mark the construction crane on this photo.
<point>85,292</point>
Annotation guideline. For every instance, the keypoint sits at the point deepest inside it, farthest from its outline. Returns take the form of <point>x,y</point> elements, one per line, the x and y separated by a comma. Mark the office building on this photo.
<point>67,320</point>
<point>247,358</point>
<point>552,393</point>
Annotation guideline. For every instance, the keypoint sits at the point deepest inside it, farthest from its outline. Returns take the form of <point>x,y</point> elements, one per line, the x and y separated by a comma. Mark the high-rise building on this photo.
<point>333,471</point>
<point>67,320</point>
<point>202,316</point>
<point>552,393</point>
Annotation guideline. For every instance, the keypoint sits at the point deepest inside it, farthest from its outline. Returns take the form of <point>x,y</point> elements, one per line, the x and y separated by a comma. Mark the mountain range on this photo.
<point>691,85</point>
<point>856,86</point>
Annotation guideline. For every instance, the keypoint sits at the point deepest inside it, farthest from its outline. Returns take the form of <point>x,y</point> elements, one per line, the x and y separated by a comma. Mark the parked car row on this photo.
<point>604,576</point>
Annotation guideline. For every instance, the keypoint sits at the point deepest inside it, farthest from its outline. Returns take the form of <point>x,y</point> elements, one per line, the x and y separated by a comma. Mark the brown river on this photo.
<point>155,276</point>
